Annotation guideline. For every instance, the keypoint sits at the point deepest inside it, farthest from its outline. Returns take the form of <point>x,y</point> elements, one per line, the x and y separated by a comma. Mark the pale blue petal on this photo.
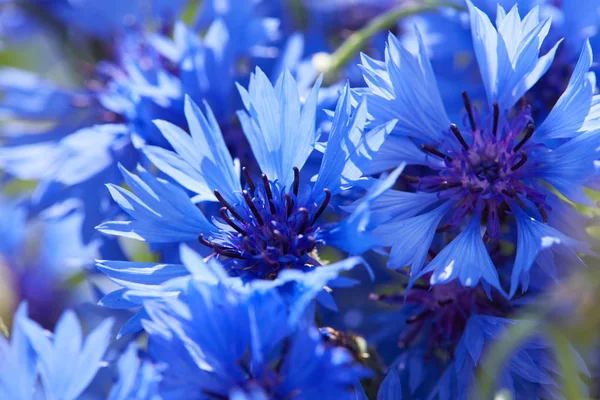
<point>210,165</point>
<point>397,149</point>
<point>181,171</point>
<point>129,274</point>
<point>412,98</point>
<point>349,149</point>
<point>396,205</point>
<point>508,56</point>
<point>163,211</point>
<point>532,238</point>
<point>280,132</point>
<point>355,233</point>
<point>411,238</point>
<point>18,372</point>
<point>570,165</point>
<point>465,258</point>
<point>67,367</point>
<point>572,108</point>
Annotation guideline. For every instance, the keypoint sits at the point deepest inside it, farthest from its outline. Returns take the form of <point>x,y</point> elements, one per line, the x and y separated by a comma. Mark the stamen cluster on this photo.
<point>487,171</point>
<point>269,229</point>
<point>442,310</point>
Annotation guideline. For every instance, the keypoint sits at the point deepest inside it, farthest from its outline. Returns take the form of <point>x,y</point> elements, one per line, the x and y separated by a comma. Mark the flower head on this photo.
<point>271,223</point>
<point>251,349</point>
<point>64,362</point>
<point>36,262</point>
<point>94,129</point>
<point>444,332</point>
<point>493,170</point>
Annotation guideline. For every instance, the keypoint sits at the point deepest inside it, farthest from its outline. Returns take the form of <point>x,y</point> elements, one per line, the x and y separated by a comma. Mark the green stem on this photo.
<point>355,42</point>
<point>565,358</point>
<point>498,355</point>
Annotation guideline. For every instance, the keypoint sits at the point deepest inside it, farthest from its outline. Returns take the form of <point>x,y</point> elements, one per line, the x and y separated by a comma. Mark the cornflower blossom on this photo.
<point>252,348</point>
<point>272,223</point>
<point>490,174</point>
<point>72,140</point>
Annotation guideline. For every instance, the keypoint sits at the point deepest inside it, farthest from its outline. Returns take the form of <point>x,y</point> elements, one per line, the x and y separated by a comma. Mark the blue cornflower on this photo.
<point>271,223</point>
<point>64,364</point>
<point>107,19</point>
<point>444,330</point>
<point>494,170</point>
<point>221,343</point>
<point>96,128</point>
<point>36,262</point>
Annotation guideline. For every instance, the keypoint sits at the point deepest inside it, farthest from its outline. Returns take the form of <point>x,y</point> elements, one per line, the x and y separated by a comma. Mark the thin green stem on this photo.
<point>332,64</point>
<point>566,361</point>
<point>499,354</point>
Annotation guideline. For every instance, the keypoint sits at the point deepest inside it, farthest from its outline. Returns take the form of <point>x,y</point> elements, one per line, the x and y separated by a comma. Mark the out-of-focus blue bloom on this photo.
<point>64,362</point>
<point>37,261</point>
<point>444,330</point>
<point>18,368</point>
<point>108,19</point>
<point>147,281</point>
<point>138,378</point>
<point>531,371</point>
<point>494,169</point>
<point>92,130</point>
<point>343,14</point>
<point>271,223</point>
<point>249,28</point>
<point>223,343</point>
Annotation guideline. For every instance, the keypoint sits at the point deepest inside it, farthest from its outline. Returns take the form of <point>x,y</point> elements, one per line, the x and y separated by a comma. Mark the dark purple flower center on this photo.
<point>439,314</point>
<point>269,229</point>
<point>486,167</point>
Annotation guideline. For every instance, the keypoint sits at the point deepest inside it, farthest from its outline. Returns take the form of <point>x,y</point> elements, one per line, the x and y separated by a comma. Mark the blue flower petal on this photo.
<point>355,233</point>
<point>349,149</point>
<point>18,372</point>
<point>411,238</point>
<point>508,55</point>
<point>532,238</point>
<point>134,275</point>
<point>391,387</point>
<point>164,212</point>
<point>395,204</point>
<point>569,166</point>
<point>465,258</point>
<point>573,106</point>
<point>280,132</point>
<point>210,165</point>
<point>66,366</point>
<point>410,88</point>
